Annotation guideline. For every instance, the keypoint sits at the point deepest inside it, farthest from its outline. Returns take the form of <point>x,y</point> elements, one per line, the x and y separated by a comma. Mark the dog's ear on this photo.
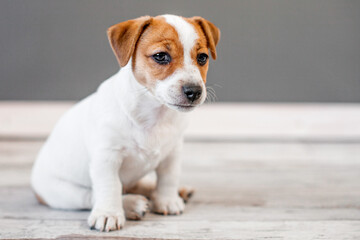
<point>124,36</point>
<point>212,33</point>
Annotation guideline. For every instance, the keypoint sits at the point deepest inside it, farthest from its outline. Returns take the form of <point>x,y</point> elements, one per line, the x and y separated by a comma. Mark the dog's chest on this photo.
<point>147,148</point>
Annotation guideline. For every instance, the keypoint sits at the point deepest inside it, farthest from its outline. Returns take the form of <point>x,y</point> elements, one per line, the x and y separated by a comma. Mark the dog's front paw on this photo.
<point>172,205</point>
<point>106,220</point>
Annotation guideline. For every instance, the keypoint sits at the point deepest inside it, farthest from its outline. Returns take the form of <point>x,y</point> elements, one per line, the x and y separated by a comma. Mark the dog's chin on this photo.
<point>182,107</point>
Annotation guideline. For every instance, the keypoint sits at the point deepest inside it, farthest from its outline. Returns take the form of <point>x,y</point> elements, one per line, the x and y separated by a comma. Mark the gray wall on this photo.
<point>271,50</point>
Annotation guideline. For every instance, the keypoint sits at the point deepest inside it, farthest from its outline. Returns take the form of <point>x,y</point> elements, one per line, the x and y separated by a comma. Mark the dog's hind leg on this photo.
<point>186,192</point>
<point>135,206</point>
<point>147,185</point>
<point>62,194</point>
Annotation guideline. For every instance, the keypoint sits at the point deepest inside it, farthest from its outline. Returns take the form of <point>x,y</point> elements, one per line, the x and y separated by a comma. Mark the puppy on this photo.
<point>132,125</point>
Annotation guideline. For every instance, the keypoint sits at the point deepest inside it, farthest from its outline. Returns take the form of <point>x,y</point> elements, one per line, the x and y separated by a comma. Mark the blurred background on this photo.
<point>270,50</point>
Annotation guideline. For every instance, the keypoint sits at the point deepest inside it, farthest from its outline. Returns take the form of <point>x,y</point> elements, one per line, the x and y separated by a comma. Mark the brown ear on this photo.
<point>212,34</point>
<point>124,36</point>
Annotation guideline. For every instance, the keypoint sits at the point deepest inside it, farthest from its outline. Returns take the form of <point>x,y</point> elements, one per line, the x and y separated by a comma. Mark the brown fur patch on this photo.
<point>210,31</point>
<point>158,37</point>
<point>123,37</point>
<point>145,36</point>
<point>207,40</point>
<point>186,193</point>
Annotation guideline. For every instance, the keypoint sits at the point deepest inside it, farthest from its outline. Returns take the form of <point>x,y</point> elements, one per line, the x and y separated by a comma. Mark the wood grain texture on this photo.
<point>244,191</point>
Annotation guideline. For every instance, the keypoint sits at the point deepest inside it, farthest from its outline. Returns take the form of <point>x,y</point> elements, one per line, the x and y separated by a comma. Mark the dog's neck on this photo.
<point>138,103</point>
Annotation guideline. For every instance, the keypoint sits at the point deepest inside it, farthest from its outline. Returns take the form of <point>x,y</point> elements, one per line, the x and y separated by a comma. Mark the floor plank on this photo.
<point>244,191</point>
<point>189,230</point>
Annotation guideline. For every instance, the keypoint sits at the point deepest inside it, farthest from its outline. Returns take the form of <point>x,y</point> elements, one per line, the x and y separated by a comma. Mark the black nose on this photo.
<point>192,92</point>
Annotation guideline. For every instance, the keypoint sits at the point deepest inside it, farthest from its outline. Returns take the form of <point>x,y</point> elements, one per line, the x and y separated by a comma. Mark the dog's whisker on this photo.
<point>211,97</point>
<point>214,85</point>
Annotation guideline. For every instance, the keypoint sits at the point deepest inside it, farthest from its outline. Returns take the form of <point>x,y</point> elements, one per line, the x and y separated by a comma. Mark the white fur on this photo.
<point>111,139</point>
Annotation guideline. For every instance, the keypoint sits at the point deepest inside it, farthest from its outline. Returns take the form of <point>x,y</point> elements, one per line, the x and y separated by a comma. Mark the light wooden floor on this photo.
<point>261,171</point>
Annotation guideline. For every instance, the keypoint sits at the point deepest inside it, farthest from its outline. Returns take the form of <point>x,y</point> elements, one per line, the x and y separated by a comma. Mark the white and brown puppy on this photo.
<point>132,125</point>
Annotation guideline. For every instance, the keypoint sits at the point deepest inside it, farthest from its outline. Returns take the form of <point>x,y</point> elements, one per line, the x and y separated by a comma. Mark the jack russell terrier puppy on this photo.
<point>132,125</point>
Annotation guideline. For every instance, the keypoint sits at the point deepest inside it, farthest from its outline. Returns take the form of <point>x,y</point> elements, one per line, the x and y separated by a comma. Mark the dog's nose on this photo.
<point>192,92</point>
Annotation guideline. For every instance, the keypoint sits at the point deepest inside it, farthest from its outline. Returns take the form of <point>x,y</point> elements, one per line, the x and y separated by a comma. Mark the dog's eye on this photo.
<point>162,58</point>
<point>202,59</point>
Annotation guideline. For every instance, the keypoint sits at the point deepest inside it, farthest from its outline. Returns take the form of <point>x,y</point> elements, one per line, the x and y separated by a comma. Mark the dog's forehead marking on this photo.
<point>186,32</point>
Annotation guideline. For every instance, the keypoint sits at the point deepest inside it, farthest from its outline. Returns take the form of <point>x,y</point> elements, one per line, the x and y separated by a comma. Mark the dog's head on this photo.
<point>169,56</point>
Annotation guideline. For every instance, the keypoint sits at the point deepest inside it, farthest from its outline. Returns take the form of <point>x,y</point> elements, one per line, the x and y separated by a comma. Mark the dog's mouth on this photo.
<point>182,107</point>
